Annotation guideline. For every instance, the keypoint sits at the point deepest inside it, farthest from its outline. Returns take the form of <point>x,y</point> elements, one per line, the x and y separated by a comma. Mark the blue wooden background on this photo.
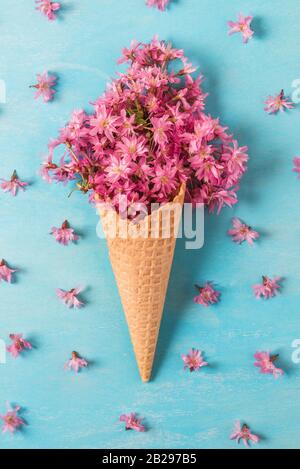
<point>182,410</point>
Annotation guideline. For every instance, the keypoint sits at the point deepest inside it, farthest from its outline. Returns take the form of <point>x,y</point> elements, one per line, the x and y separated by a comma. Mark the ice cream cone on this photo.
<point>141,264</point>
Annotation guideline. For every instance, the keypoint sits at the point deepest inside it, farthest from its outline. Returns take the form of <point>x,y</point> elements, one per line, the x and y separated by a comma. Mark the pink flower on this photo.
<point>132,147</point>
<point>277,103</point>
<point>193,360</point>
<point>13,185</point>
<point>236,158</point>
<point>268,288</point>
<point>6,272</point>
<point>76,362</point>
<point>164,180</point>
<point>160,127</point>
<point>48,8</point>
<point>119,169</point>
<point>146,135</point>
<point>18,345</point>
<point>242,232</point>
<point>297,166</point>
<point>214,197</point>
<point>11,420</point>
<point>160,4</point>
<point>70,297</point>
<point>265,361</point>
<point>47,167</point>
<point>44,86</point>
<point>64,235</point>
<point>132,422</point>
<point>243,26</point>
<point>207,296</point>
<point>243,433</point>
<point>104,123</point>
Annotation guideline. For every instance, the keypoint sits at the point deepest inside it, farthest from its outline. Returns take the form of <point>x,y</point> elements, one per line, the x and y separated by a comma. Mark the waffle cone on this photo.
<point>141,256</point>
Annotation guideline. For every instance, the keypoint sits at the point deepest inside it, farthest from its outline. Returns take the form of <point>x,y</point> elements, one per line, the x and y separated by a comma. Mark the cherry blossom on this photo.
<point>6,272</point>
<point>18,345</point>
<point>243,26</point>
<point>146,136</point>
<point>132,422</point>
<point>265,361</point>
<point>11,420</point>
<point>44,86</point>
<point>194,360</point>
<point>48,8</point>
<point>160,4</point>
<point>76,362</point>
<point>297,166</point>
<point>207,296</point>
<point>70,297</point>
<point>243,432</point>
<point>268,288</point>
<point>64,235</point>
<point>277,103</point>
<point>13,184</point>
<point>242,232</point>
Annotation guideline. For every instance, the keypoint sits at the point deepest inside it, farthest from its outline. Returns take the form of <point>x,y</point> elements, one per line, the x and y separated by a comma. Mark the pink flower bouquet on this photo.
<point>148,141</point>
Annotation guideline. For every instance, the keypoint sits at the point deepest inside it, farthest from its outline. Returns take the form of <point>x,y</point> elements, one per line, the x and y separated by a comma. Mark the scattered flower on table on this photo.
<point>243,26</point>
<point>265,361</point>
<point>70,297</point>
<point>64,235</point>
<point>160,4</point>
<point>11,420</point>
<point>132,422</point>
<point>207,295</point>
<point>76,362</point>
<point>277,103</point>
<point>13,184</point>
<point>297,165</point>
<point>243,433</point>
<point>6,272</point>
<point>48,8</point>
<point>194,360</point>
<point>44,86</point>
<point>268,288</point>
<point>18,345</point>
<point>242,232</point>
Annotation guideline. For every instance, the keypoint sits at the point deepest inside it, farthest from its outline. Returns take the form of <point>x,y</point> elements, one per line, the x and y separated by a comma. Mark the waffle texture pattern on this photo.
<point>141,257</point>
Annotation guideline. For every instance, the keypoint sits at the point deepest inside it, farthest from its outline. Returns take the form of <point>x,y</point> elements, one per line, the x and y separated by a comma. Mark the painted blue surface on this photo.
<point>182,410</point>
